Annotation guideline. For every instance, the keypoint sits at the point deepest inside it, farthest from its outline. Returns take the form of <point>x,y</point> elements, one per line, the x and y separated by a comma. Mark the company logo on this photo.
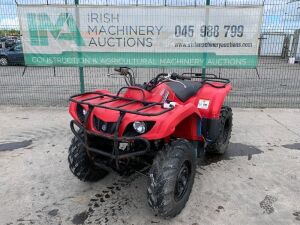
<point>64,29</point>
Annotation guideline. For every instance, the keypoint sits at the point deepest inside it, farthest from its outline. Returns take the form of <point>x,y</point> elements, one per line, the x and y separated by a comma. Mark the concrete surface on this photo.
<point>256,182</point>
<point>278,85</point>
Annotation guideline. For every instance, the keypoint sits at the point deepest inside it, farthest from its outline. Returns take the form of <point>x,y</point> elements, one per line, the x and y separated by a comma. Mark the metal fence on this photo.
<point>274,83</point>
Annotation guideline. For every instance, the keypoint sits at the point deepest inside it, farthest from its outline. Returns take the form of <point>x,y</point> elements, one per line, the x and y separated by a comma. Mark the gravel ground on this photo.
<point>278,84</point>
<point>256,182</point>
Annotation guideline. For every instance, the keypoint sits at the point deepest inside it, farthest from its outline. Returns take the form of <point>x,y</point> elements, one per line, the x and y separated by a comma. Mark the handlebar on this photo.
<point>128,75</point>
<point>175,76</point>
<point>165,77</point>
<point>122,70</point>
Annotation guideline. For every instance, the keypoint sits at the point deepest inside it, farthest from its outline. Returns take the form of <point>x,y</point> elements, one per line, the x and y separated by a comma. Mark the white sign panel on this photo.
<point>140,36</point>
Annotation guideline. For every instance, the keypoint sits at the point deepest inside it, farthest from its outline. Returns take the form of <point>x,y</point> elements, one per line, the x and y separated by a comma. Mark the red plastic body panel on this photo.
<point>182,121</point>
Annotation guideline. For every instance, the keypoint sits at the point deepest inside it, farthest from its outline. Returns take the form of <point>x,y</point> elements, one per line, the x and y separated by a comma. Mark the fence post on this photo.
<point>81,74</point>
<point>205,54</point>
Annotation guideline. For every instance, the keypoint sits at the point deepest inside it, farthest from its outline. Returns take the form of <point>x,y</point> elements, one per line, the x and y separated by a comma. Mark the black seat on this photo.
<point>184,93</point>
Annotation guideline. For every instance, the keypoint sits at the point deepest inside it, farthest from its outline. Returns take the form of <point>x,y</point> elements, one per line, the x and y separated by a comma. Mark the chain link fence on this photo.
<point>275,82</point>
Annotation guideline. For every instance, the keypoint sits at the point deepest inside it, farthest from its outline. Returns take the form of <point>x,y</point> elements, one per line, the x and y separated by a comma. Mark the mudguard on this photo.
<point>214,97</point>
<point>180,122</point>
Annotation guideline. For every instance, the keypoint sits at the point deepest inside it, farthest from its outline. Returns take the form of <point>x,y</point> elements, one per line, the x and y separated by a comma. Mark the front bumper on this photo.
<point>116,153</point>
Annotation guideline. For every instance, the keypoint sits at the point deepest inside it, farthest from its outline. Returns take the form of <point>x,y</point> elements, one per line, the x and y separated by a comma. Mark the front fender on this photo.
<point>166,124</point>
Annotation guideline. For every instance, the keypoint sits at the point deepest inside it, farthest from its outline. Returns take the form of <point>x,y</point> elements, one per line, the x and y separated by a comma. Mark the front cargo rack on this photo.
<point>113,98</point>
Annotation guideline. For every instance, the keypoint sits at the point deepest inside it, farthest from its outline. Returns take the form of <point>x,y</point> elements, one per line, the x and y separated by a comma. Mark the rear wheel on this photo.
<point>81,165</point>
<point>171,178</point>
<point>3,61</point>
<point>220,145</point>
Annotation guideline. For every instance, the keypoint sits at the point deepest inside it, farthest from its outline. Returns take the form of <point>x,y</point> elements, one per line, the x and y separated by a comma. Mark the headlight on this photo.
<point>104,127</point>
<point>139,127</point>
<point>81,112</point>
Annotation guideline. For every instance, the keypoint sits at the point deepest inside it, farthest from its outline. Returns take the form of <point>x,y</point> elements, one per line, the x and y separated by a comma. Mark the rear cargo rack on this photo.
<point>209,79</point>
<point>113,98</point>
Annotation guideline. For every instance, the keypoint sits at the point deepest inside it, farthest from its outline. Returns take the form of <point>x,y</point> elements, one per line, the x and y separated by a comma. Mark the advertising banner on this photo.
<point>140,36</point>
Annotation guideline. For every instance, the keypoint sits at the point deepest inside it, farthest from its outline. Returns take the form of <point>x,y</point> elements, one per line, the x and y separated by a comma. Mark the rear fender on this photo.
<point>214,97</point>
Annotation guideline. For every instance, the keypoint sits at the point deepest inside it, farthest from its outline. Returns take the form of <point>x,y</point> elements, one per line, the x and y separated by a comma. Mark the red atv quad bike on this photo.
<point>164,124</point>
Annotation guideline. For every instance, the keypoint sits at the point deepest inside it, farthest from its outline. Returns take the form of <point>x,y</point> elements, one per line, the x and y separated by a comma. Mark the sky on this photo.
<point>279,15</point>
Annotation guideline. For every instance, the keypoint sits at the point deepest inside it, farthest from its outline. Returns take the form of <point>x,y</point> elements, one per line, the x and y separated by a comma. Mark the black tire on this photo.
<point>166,192</point>
<point>220,145</point>
<point>81,165</point>
<point>3,61</point>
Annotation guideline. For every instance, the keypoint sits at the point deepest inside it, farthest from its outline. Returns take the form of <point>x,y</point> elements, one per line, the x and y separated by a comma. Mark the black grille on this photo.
<point>100,124</point>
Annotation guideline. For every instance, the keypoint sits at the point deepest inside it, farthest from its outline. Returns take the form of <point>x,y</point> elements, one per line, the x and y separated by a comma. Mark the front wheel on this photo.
<point>171,178</point>
<point>81,165</point>
<point>220,145</point>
